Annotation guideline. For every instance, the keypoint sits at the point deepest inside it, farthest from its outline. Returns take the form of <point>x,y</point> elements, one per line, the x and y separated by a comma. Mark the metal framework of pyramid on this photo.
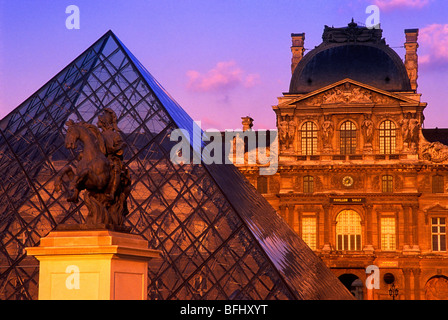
<point>219,237</point>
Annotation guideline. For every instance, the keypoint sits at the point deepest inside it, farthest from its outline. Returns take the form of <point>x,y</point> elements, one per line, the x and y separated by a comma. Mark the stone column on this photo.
<point>291,215</point>
<point>327,226</point>
<point>407,283</point>
<point>414,214</point>
<point>416,272</point>
<point>283,211</point>
<point>407,226</point>
<point>369,241</point>
<point>318,241</point>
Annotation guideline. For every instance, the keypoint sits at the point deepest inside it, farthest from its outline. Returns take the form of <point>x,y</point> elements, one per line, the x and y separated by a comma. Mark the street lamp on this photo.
<point>393,292</point>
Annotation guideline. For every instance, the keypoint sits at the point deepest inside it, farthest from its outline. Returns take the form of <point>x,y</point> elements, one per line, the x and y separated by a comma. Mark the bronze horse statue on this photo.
<point>105,197</point>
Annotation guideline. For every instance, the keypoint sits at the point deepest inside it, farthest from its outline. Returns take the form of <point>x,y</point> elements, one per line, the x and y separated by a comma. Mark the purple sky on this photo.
<point>220,60</point>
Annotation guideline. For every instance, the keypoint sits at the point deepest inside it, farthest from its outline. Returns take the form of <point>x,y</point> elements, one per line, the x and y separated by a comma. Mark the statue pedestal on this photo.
<point>92,265</point>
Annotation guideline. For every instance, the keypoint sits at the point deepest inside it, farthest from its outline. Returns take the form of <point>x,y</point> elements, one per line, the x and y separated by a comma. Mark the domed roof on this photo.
<point>358,53</point>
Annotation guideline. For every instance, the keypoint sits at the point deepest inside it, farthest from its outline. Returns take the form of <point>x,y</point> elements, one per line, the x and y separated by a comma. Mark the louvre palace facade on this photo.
<point>358,178</point>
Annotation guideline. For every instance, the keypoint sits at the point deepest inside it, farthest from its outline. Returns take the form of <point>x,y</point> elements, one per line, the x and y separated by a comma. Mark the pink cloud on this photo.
<point>400,4</point>
<point>224,76</point>
<point>433,41</point>
<point>208,123</point>
<point>251,80</point>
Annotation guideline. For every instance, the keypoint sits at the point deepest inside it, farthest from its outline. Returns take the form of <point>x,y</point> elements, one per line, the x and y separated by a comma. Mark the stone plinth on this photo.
<point>92,265</point>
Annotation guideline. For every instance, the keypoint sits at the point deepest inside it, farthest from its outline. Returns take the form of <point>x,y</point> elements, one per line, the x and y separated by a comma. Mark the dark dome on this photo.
<point>371,62</point>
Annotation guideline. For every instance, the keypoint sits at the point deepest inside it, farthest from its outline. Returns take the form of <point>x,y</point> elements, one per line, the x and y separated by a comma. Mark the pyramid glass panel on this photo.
<point>218,237</point>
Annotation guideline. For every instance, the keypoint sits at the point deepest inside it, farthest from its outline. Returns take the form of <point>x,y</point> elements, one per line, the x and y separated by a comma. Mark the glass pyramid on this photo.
<point>219,238</point>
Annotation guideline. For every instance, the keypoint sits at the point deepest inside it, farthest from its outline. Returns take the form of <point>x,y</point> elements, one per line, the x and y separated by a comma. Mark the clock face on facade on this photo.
<point>347,181</point>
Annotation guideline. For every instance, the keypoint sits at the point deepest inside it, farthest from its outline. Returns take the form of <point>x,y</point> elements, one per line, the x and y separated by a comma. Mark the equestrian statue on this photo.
<point>99,170</point>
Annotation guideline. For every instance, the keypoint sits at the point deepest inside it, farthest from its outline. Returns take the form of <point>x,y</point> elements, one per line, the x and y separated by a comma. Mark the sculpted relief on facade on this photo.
<point>287,132</point>
<point>410,130</point>
<point>367,127</point>
<point>349,94</point>
<point>327,133</point>
<point>434,151</point>
<point>410,139</point>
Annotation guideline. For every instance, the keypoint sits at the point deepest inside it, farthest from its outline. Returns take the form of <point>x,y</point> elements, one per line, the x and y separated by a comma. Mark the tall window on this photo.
<point>348,230</point>
<point>348,137</point>
<point>388,235</point>
<point>309,231</point>
<point>387,137</point>
<point>262,184</point>
<point>309,138</point>
<point>438,234</point>
<point>387,183</point>
<point>308,184</point>
<point>437,184</point>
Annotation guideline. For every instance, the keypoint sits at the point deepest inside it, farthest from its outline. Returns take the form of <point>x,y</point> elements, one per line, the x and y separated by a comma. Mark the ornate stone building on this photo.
<point>358,178</point>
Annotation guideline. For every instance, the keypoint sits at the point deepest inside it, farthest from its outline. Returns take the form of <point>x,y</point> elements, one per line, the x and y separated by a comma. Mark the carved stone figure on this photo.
<point>436,288</point>
<point>99,171</point>
<point>327,132</point>
<point>333,96</point>
<point>287,131</point>
<point>291,132</point>
<point>367,129</point>
<point>358,94</point>
<point>347,94</point>
<point>410,128</point>
<point>434,151</point>
<point>283,130</point>
<point>414,129</point>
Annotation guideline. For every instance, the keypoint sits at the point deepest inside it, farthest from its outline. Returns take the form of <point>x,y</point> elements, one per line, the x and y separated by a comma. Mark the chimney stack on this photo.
<point>248,123</point>
<point>411,58</point>
<point>297,49</point>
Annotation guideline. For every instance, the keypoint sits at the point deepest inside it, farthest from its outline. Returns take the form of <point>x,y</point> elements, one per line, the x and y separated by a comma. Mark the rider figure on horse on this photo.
<point>107,122</point>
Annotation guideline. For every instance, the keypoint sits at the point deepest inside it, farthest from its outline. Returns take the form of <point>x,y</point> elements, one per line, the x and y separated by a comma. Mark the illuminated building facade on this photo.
<point>359,180</point>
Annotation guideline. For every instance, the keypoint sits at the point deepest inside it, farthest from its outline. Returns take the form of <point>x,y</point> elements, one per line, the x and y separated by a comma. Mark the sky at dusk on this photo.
<point>220,60</point>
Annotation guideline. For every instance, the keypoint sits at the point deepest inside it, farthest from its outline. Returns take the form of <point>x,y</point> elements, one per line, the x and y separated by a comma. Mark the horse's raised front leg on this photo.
<point>78,184</point>
<point>66,171</point>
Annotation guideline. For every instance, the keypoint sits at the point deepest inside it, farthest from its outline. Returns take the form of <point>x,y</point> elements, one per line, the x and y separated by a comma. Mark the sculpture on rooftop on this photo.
<point>99,170</point>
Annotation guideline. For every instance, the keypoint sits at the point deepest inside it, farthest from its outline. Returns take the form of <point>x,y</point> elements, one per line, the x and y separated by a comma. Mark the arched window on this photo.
<point>348,138</point>
<point>348,230</point>
<point>309,138</point>
<point>387,137</point>
<point>262,184</point>
<point>353,284</point>
<point>308,184</point>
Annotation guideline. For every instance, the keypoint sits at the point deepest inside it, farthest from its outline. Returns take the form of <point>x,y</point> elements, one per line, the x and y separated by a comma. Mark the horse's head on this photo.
<point>72,135</point>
